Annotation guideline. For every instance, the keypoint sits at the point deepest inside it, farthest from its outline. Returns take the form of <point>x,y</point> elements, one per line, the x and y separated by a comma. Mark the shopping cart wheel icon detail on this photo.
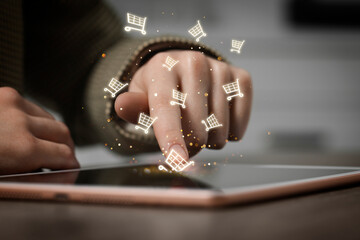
<point>206,127</point>
<point>128,29</point>
<point>162,168</point>
<point>176,103</point>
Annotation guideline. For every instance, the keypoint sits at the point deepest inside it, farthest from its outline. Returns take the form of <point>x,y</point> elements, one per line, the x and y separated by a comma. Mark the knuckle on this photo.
<point>28,145</point>
<point>9,95</point>
<point>221,69</point>
<point>159,58</point>
<point>66,152</point>
<point>163,106</point>
<point>195,60</point>
<point>17,115</point>
<point>64,129</point>
<point>173,135</point>
<point>245,78</point>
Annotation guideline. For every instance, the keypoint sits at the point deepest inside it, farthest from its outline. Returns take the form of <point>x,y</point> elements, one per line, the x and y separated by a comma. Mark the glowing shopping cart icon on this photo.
<point>212,122</point>
<point>115,86</point>
<point>181,97</point>
<point>197,31</point>
<point>236,45</point>
<point>176,162</point>
<point>231,88</point>
<point>170,63</point>
<point>136,21</point>
<point>145,121</point>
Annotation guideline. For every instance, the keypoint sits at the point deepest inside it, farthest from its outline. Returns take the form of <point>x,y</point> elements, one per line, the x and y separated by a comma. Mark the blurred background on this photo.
<point>304,57</point>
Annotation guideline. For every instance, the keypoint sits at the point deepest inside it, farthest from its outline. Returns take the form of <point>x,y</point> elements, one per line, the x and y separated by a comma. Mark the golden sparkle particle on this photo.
<point>190,143</point>
<point>103,55</point>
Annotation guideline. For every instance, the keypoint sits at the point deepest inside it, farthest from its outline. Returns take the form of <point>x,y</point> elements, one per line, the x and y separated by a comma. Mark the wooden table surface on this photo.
<point>332,214</point>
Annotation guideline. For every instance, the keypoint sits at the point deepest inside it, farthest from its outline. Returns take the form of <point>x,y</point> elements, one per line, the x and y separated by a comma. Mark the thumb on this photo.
<point>128,105</point>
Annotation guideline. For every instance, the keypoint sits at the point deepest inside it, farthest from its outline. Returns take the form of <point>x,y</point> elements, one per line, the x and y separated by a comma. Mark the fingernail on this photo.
<point>179,150</point>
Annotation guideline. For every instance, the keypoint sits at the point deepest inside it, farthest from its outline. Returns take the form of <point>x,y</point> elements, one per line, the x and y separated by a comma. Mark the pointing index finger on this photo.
<point>167,127</point>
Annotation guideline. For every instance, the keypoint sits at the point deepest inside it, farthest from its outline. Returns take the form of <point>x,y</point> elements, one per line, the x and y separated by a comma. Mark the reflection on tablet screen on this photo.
<point>218,177</point>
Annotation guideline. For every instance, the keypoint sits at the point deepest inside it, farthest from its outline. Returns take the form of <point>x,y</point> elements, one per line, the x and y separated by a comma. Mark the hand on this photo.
<point>31,138</point>
<point>202,79</point>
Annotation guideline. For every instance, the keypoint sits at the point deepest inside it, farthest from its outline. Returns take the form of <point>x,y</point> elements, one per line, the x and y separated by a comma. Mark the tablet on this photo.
<point>205,186</point>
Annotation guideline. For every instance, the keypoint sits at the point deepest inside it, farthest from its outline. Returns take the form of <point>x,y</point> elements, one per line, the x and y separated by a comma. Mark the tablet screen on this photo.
<point>220,177</point>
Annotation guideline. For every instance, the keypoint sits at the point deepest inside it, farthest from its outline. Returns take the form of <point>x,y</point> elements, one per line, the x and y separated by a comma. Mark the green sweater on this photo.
<point>53,52</point>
